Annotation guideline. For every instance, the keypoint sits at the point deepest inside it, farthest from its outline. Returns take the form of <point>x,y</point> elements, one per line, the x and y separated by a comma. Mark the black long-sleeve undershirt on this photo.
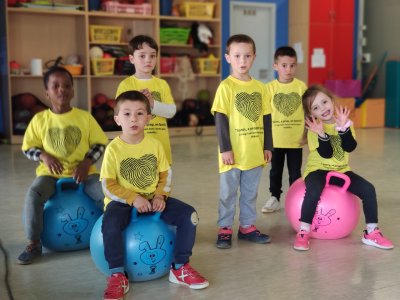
<point>325,149</point>
<point>224,141</point>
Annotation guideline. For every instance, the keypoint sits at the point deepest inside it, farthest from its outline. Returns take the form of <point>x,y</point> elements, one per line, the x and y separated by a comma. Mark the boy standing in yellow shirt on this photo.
<point>144,51</point>
<point>243,121</point>
<point>287,124</point>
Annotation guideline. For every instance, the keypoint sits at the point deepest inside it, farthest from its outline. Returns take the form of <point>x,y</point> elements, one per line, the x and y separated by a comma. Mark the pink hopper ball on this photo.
<point>337,213</point>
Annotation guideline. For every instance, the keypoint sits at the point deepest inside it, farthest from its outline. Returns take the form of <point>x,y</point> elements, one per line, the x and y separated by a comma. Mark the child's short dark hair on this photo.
<point>137,42</point>
<point>310,94</point>
<point>131,96</point>
<point>285,51</point>
<point>240,38</point>
<point>53,70</point>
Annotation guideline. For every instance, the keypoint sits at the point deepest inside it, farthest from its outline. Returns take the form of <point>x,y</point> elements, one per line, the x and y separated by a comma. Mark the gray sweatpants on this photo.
<point>41,189</point>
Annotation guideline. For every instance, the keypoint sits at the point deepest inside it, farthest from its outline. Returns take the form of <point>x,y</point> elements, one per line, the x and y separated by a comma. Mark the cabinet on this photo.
<point>48,33</point>
<point>327,25</point>
<point>392,107</point>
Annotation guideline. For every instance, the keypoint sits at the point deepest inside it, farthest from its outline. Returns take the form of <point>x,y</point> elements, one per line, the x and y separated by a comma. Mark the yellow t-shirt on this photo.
<point>161,92</point>
<point>68,137</point>
<point>339,162</point>
<point>244,103</point>
<point>135,166</point>
<point>287,112</point>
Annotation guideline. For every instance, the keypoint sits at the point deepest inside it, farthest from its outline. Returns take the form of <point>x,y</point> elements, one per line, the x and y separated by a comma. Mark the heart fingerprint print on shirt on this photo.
<point>336,144</point>
<point>64,140</point>
<point>287,104</point>
<point>140,172</point>
<point>249,105</point>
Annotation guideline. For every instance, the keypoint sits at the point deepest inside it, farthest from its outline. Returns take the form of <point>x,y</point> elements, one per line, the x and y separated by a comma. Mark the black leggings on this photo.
<point>315,183</point>
<point>294,158</point>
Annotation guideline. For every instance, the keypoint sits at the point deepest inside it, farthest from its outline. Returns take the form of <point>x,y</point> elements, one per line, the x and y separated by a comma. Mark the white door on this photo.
<point>257,20</point>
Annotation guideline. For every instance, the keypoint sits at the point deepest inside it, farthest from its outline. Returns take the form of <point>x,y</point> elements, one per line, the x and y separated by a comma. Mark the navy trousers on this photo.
<point>177,213</point>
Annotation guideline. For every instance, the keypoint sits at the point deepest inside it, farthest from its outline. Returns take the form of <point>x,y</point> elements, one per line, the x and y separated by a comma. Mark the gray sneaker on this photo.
<point>31,252</point>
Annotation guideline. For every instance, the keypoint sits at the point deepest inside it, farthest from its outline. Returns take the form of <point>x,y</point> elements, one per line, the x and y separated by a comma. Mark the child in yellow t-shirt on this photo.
<point>287,124</point>
<point>330,139</point>
<point>144,51</point>
<point>243,121</point>
<point>66,141</point>
<point>145,187</point>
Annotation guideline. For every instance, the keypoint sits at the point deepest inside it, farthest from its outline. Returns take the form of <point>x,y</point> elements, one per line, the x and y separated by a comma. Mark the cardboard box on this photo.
<point>350,103</point>
<point>373,113</point>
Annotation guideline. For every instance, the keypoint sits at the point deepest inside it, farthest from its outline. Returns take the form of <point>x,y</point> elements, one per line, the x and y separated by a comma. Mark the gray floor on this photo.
<point>338,269</point>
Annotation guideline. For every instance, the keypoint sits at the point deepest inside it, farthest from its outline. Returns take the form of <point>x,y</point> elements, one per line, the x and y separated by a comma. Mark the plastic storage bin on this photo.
<point>197,9</point>
<point>207,65</point>
<point>116,7</point>
<point>174,35</point>
<point>105,34</point>
<point>167,64</point>
<point>103,66</point>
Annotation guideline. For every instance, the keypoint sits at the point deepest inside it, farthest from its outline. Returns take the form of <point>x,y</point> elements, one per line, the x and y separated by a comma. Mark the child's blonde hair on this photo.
<point>310,94</point>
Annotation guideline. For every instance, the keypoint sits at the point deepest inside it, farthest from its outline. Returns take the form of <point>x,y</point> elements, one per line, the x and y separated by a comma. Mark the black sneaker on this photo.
<point>31,252</point>
<point>224,240</point>
<point>254,235</point>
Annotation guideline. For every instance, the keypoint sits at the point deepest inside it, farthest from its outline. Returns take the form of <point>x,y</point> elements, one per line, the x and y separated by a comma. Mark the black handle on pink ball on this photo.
<point>343,176</point>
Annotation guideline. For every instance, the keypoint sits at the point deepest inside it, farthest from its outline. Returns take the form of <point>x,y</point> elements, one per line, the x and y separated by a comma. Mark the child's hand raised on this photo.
<point>315,125</point>
<point>342,116</point>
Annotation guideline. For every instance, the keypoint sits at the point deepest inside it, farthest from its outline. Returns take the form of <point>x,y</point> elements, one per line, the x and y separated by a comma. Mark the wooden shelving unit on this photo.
<point>48,34</point>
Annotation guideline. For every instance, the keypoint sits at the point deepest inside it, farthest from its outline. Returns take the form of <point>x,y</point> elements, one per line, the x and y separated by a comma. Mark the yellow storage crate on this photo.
<point>207,65</point>
<point>103,66</point>
<point>197,9</point>
<point>105,34</point>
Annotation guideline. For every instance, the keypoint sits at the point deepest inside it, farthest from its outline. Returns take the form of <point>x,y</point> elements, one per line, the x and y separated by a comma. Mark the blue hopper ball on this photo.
<point>149,247</point>
<point>68,217</point>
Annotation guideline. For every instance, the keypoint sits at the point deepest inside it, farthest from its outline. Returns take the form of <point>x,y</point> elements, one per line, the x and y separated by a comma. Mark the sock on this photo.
<point>247,228</point>
<point>176,266</point>
<point>305,226</point>
<point>371,227</point>
<point>118,270</point>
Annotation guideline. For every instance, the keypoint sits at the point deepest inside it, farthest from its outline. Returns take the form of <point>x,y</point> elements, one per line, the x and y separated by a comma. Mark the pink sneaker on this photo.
<point>117,287</point>
<point>302,241</point>
<point>376,239</point>
<point>188,276</point>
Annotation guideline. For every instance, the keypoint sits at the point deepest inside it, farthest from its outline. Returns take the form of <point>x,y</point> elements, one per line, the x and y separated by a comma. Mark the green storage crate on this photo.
<point>174,35</point>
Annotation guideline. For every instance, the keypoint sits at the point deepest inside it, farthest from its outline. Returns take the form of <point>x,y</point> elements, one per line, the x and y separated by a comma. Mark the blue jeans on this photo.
<point>230,182</point>
<point>41,189</point>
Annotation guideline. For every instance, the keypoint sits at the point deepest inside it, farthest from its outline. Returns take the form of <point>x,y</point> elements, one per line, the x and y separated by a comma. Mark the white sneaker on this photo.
<point>271,205</point>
